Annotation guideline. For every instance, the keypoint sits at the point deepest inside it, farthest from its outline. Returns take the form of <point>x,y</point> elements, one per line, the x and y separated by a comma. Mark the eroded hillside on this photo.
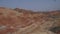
<point>19,21</point>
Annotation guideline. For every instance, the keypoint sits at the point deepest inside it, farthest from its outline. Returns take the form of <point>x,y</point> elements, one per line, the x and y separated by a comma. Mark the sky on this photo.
<point>39,5</point>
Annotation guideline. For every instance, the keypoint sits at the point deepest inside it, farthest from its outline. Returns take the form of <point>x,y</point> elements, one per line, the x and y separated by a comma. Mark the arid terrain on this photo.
<point>20,21</point>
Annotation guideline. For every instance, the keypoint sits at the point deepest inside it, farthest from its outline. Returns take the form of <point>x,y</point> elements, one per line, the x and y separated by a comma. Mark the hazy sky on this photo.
<point>32,4</point>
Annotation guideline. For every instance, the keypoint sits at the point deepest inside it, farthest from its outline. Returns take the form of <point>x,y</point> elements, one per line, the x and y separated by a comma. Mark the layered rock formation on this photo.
<point>14,21</point>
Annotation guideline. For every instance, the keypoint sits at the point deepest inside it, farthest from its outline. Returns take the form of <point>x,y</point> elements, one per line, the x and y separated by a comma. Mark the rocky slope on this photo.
<point>18,21</point>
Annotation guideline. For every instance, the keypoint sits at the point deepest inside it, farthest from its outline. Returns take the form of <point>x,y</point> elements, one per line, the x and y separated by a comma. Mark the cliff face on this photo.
<point>19,21</point>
